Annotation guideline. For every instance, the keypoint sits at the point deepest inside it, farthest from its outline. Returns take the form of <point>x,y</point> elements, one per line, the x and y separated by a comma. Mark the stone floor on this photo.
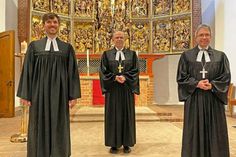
<point>155,138</point>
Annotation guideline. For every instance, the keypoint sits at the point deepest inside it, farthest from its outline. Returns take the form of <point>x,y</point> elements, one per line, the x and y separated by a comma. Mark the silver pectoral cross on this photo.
<point>203,72</point>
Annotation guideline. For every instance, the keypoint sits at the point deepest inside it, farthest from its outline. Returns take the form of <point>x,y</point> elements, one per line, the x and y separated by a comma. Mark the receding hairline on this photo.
<point>202,26</point>
<point>116,32</point>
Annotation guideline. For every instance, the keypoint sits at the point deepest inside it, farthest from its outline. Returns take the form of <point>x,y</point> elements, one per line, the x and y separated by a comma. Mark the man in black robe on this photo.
<point>203,79</point>
<point>49,84</point>
<point>119,78</point>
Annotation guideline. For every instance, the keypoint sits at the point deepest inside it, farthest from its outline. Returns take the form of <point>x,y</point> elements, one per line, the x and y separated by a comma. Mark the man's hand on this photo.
<point>25,102</point>
<point>72,103</point>
<point>204,84</point>
<point>121,79</point>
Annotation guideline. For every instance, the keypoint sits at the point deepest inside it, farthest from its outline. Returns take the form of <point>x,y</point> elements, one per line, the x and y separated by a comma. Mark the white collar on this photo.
<point>54,44</point>
<point>200,54</point>
<point>120,53</point>
<point>200,48</point>
<point>119,49</point>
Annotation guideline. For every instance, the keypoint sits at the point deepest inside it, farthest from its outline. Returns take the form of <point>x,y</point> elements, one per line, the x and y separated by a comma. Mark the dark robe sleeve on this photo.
<point>107,78</point>
<point>222,81</point>
<point>25,84</point>
<point>186,83</point>
<point>74,81</point>
<point>132,76</point>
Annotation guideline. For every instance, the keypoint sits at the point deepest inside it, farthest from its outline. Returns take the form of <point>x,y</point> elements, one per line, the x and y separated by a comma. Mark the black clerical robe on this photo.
<point>49,80</point>
<point>205,129</point>
<point>119,98</point>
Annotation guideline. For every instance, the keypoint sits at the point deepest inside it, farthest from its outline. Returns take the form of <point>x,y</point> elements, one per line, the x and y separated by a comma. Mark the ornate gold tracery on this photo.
<point>150,26</point>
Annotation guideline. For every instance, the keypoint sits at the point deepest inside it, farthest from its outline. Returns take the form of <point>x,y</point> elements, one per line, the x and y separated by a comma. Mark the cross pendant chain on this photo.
<point>120,68</point>
<point>203,72</point>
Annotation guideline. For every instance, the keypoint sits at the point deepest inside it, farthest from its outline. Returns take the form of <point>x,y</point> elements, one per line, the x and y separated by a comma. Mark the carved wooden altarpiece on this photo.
<point>150,26</point>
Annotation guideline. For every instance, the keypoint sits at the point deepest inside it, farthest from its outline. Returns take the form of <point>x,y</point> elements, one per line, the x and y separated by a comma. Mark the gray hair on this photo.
<point>116,31</point>
<point>202,26</point>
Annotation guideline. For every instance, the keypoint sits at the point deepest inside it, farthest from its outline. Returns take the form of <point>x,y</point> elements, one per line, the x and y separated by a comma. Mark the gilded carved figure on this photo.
<point>161,7</point>
<point>181,34</point>
<point>83,8</point>
<point>140,37</point>
<point>64,31</point>
<point>139,8</point>
<point>83,37</point>
<point>41,5</point>
<point>37,31</point>
<point>61,6</point>
<point>180,6</point>
<point>94,21</point>
<point>162,37</point>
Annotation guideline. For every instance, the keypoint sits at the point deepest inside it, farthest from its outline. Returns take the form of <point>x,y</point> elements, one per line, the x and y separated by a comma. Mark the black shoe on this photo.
<point>113,150</point>
<point>127,149</point>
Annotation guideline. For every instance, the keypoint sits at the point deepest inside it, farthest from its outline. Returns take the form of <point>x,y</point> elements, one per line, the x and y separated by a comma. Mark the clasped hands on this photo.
<point>204,85</point>
<point>120,78</point>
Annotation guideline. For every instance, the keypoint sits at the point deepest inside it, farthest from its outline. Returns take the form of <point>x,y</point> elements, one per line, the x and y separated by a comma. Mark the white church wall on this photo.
<point>225,31</point>
<point>2,15</point>
<point>219,24</point>
<point>230,35</point>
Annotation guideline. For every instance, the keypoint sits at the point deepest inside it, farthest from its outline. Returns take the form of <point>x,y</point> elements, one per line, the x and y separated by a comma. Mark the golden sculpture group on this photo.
<point>150,26</point>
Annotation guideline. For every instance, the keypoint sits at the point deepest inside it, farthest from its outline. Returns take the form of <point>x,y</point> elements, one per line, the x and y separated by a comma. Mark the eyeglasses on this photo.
<point>204,35</point>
